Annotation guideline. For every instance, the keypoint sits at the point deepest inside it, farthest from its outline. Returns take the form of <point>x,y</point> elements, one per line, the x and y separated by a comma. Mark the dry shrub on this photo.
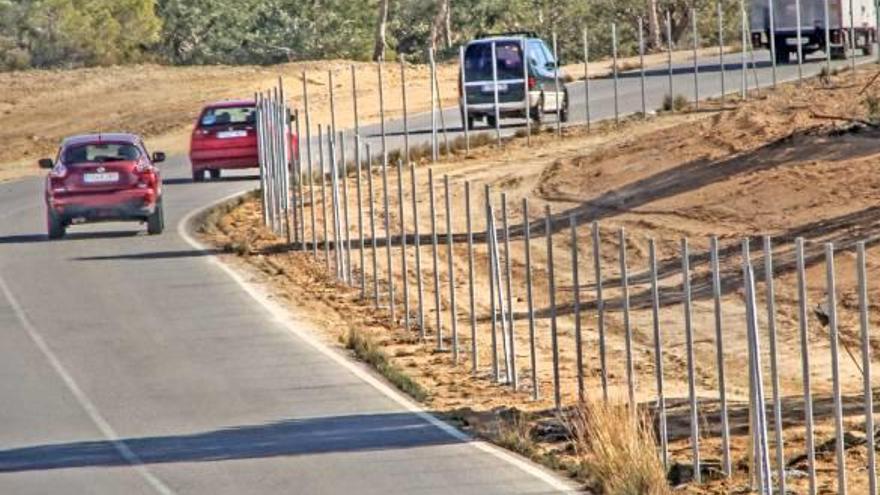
<point>619,451</point>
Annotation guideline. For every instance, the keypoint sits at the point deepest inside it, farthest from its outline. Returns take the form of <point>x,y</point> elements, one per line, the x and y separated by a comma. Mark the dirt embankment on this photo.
<point>767,166</point>
<point>39,108</point>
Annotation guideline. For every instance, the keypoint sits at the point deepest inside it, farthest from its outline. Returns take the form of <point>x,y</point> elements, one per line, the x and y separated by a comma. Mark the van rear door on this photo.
<point>478,72</point>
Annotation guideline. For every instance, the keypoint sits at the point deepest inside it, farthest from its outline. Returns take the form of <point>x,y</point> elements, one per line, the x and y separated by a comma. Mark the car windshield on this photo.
<point>478,61</point>
<point>101,153</point>
<point>212,117</point>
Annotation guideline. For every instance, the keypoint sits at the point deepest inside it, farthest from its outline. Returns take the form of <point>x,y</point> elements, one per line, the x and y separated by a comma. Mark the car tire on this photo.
<point>156,221</point>
<point>55,226</point>
<point>198,175</point>
<point>491,121</point>
<point>563,115</point>
<point>215,173</point>
<point>537,113</point>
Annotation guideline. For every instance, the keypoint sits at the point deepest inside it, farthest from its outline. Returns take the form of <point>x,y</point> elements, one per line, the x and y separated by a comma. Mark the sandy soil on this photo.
<point>767,166</point>
<point>41,107</point>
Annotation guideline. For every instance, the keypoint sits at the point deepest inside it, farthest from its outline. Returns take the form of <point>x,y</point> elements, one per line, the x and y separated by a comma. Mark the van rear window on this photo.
<point>478,61</point>
<point>228,116</point>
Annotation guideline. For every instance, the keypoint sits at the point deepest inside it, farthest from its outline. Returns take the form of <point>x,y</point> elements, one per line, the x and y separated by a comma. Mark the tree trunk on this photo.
<point>448,25</point>
<point>654,38</point>
<point>439,24</point>
<point>381,25</point>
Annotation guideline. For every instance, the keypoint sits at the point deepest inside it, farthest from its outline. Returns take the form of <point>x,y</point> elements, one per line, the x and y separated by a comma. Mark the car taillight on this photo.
<point>532,83</point>
<point>58,172</point>
<point>201,133</point>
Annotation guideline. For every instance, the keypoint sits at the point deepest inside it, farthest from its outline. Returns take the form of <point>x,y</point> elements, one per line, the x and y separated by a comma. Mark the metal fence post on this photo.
<point>493,309</point>
<point>495,95</point>
<point>465,120</point>
<point>627,327</point>
<point>831,289</point>
<point>403,270</point>
<point>339,256</point>
<point>800,46</point>
<point>527,96</point>
<point>511,358</point>
<point>689,337</point>
<point>755,372</point>
<point>436,262</point>
<point>309,163</point>
<point>772,41</point>
<point>866,368</point>
<point>726,461</point>
<point>803,323</point>
<point>551,289</point>
<point>774,370</point>
<point>417,241</point>
<point>435,144</point>
<point>600,309</point>
<point>658,354</point>
<point>720,14</point>
<point>614,70</point>
<point>827,22</point>
<point>529,299</point>
<point>405,113</point>
<point>642,76</point>
<point>347,223</point>
<point>696,59</point>
<point>380,66</point>
<point>326,238</point>
<point>450,259</point>
<point>373,226</point>
<point>471,289</point>
<point>576,298</point>
<point>360,201</point>
<point>743,29</point>
<point>442,115</point>
<point>387,216</point>
<point>558,86</point>
<point>669,60</point>
<point>587,78</point>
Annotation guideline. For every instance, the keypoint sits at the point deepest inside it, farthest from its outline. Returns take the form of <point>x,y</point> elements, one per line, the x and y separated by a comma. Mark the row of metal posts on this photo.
<point>273,122</point>
<point>501,300</point>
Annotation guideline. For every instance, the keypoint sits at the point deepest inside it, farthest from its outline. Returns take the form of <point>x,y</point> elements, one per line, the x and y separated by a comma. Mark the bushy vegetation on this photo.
<point>72,33</point>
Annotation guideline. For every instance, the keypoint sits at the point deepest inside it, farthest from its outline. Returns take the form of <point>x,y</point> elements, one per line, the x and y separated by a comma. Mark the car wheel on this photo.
<point>215,173</point>
<point>55,225</point>
<point>537,113</point>
<point>563,115</point>
<point>156,221</point>
<point>198,175</point>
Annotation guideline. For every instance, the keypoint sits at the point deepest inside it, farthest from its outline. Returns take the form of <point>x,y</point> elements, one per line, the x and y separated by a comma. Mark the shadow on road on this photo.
<point>159,255</point>
<point>177,181</point>
<point>292,437</point>
<point>75,236</point>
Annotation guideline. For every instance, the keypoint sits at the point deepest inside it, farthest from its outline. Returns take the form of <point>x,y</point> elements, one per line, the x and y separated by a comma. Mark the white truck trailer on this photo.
<point>812,32</point>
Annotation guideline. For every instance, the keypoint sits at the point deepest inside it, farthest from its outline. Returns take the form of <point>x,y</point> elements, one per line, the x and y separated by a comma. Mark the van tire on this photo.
<point>491,121</point>
<point>563,114</point>
<point>198,175</point>
<point>537,113</point>
<point>215,173</point>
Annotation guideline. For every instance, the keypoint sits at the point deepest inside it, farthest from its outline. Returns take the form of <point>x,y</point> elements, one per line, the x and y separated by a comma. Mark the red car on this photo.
<point>103,177</point>
<point>225,137</point>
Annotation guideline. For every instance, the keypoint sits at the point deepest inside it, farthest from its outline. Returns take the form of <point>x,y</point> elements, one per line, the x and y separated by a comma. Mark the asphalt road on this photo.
<point>134,364</point>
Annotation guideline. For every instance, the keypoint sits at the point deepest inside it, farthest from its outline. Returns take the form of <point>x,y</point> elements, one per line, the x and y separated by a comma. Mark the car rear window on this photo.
<point>478,61</point>
<point>101,153</point>
<point>212,117</point>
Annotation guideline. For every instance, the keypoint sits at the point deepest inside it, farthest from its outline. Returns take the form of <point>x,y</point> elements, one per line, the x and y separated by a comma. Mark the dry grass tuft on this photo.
<point>618,452</point>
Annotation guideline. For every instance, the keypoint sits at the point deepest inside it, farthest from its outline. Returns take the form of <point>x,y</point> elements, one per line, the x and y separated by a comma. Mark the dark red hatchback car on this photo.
<point>224,137</point>
<point>103,177</point>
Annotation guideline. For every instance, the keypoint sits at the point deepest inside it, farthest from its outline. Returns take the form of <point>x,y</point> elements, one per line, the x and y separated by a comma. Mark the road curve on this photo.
<point>134,364</point>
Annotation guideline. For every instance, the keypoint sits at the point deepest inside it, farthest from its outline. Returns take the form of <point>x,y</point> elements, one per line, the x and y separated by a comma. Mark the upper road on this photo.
<point>134,364</point>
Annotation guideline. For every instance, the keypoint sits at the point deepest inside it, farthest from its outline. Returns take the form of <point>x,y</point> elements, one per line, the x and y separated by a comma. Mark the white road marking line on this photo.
<point>80,396</point>
<point>284,318</point>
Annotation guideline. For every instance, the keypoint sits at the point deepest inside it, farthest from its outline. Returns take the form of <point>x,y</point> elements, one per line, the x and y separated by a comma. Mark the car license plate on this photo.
<point>101,178</point>
<point>490,88</point>
<point>231,134</point>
